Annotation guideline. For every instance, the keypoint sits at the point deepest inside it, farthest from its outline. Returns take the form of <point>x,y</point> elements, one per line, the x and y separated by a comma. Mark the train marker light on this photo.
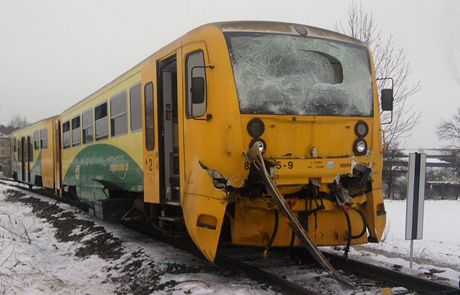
<point>361,129</point>
<point>256,127</point>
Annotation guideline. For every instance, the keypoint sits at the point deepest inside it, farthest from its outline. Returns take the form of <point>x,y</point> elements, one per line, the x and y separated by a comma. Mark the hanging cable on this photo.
<point>272,238</point>
<point>345,209</point>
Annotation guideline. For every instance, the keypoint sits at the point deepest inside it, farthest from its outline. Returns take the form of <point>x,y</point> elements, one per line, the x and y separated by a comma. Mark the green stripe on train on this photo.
<point>103,163</point>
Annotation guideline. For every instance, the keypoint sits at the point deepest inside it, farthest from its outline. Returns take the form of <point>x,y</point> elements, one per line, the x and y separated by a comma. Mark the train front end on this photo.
<point>309,100</point>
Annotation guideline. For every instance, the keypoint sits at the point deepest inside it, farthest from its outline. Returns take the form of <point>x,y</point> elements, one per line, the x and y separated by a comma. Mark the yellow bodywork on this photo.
<point>218,141</point>
<point>45,169</point>
<point>129,142</point>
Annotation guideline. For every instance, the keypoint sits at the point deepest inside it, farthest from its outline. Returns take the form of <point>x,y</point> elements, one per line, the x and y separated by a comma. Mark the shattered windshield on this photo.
<point>285,74</point>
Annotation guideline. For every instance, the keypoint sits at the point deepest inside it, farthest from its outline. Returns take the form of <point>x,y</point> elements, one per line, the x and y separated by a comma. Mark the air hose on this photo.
<point>350,236</point>
<point>272,238</point>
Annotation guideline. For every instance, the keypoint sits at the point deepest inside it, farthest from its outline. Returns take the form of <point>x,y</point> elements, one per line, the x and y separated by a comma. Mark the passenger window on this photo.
<point>76,131</point>
<point>118,119</point>
<point>66,134</point>
<point>87,126</point>
<point>135,107</point>
<point>14,144</point>
<point>100,117</point>
<point>36,140</point>
<point>44,138</point>
<point>195,69</point>
<point>149,123</point>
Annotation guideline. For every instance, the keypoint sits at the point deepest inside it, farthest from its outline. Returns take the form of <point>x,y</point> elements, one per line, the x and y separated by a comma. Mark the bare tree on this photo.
<point>17,121</point>
<point>450,129</point>
<point>390,61</point>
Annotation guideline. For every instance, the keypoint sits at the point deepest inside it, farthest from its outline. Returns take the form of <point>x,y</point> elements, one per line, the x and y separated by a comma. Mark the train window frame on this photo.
<point>149,112</point>
<point>105,133</point>
<point>36,139</point>
<point>76,131</point>
<point>138,107</point>
<point>66,132</point>
<point>87,126</point>
<point>188,97</point>
<point>121,117</point>
<point>43,138</point>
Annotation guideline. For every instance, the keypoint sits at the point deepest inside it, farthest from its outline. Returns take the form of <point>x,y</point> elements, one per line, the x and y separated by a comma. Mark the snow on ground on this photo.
<point>48,248</point>
<point>438,250</point>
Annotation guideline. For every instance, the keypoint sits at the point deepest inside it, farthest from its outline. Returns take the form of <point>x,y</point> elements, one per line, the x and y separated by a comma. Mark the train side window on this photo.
<point>66,134</point>
<point>195,68</point>
<point>118,114</point>
<point>149,118</point>
<point>135,107</point>
<point>44,138</point>
<point>100,118</point>
<point>87,126</point>
<point>14,144</point>
<point>36,139</point>
<point>76,131</point>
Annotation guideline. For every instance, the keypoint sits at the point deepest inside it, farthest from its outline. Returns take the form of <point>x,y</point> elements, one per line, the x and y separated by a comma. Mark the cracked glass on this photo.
<point>295,75</point>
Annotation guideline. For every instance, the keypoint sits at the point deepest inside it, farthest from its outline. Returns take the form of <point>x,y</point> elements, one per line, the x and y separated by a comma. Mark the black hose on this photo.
<point>349,235</point>
<point>291,244</point>
<point>275,230</point>
<point>365,226</point>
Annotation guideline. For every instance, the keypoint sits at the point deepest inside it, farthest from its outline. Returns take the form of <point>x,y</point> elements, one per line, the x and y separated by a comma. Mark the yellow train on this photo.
<point>257,133</point>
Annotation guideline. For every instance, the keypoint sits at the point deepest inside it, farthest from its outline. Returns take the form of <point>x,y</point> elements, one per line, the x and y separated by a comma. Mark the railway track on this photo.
<point>280,284</point>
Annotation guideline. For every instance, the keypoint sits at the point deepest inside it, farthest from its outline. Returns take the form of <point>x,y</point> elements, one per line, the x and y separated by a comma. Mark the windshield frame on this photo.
<point>228,35</point>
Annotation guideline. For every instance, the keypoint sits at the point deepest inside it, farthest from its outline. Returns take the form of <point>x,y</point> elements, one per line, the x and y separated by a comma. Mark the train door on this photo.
<point>168,140</point>
<point>22,159</point>
<point>57,158</point>
<point>29,152</point>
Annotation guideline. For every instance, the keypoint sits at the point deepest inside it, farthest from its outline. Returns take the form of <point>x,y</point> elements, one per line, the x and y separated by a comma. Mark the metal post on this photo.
<point>411,252</point>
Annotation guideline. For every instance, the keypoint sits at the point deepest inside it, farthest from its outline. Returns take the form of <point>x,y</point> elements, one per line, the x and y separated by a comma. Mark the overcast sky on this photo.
<point>54,53</point>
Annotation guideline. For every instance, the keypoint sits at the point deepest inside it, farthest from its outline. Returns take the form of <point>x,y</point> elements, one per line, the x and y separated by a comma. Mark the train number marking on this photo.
<point>150,165</point>
<point>289,165</point>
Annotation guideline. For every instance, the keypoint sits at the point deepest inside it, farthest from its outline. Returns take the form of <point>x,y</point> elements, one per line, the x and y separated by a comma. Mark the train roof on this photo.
<point>232,26</point>
<point>33,124</point>
<point>284,28</point>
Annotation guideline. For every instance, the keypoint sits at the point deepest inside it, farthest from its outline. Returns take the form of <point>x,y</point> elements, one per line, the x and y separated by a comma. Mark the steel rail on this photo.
<point>380,273</point>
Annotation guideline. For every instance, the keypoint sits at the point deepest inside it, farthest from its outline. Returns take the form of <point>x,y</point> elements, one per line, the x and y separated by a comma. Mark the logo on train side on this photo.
<point>120,169</point>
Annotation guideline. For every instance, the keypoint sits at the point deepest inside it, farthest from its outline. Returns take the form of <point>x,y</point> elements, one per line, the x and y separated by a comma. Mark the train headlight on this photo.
<point>260,143</point>
<point>360,147</point>
<point>361,129</point>
<point>256,127</point>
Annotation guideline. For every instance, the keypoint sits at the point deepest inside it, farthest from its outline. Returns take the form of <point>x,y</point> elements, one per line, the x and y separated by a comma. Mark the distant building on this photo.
<point>442,190</point>
<point>5,155</point>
